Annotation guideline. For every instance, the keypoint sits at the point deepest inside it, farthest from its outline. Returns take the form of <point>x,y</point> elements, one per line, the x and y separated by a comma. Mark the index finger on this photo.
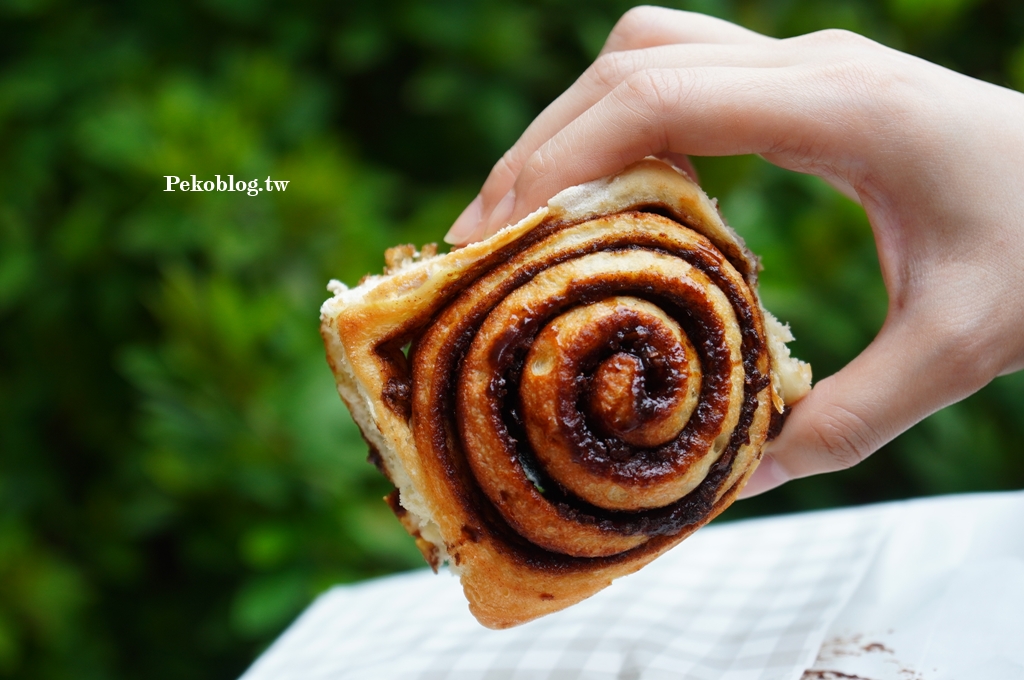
<point>640,28</point>
<point>711,111</point>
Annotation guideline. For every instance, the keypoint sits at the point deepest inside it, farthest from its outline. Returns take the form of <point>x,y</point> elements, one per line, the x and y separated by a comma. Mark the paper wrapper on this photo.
<point>922,590</point>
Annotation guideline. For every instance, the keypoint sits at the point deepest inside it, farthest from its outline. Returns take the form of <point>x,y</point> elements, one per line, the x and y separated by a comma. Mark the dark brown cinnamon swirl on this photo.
<point>581,391</point>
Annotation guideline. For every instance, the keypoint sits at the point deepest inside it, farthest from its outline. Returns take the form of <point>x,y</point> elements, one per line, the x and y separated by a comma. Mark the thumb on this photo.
<point>903,376</point>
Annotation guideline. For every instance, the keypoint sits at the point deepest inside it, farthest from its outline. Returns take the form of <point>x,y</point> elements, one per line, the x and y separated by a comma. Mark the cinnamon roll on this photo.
<point>565,401</point>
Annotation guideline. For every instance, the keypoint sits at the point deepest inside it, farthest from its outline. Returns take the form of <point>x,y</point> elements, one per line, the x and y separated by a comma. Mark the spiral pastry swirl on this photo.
<point>577,396</point>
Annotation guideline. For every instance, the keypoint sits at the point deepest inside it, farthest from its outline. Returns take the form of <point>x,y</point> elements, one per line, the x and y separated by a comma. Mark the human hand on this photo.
<point>935,158</point>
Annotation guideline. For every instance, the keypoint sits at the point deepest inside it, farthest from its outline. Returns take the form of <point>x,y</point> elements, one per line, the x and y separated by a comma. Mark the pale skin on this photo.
<point>935,158</point>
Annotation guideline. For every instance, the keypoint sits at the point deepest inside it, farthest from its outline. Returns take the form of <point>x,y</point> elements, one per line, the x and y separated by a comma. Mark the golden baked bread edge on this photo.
<point>417,285</point>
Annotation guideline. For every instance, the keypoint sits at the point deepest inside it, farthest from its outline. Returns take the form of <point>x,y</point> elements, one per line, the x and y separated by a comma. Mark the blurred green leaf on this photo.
<point>928,11</point>
<point>1015,68</point>
<point>267,545</point>
<point>265,603</point>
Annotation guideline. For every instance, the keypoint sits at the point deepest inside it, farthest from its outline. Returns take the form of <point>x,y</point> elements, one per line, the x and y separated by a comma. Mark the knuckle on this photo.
<point>860,77</point>
<point>850,62</point>
<point>970,357</point>
<point>838,37</point>
<point>540,163</point>
<point>632,25</point>
<point>858,70</point>
<point>867,97</point>
<point>844,437</point>
<point>651,93</point>
<point>611,68</point>
<point>852,86</point>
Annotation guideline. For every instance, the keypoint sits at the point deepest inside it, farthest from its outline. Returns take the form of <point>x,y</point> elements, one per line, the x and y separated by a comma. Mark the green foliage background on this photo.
<point>178,478</point>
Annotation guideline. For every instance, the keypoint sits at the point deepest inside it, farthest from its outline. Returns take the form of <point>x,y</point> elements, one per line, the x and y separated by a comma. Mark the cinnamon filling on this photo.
<point>589,394</point>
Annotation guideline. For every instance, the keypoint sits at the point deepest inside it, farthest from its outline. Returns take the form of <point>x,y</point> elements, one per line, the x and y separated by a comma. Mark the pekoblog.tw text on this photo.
<point>252,187</point>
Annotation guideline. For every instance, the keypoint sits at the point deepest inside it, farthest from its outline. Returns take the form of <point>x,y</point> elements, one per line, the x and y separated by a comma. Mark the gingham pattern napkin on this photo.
<point>745,600</point>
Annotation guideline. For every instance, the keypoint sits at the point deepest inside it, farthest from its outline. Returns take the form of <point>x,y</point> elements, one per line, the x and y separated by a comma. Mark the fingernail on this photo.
<point>466,224</point>
<point>501,213</point>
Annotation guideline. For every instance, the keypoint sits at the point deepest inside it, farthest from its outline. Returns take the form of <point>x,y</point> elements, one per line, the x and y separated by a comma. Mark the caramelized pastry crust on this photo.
<point>560,404</point>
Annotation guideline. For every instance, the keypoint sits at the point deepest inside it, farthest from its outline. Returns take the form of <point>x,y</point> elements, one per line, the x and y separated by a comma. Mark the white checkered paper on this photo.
<point>733,602</point>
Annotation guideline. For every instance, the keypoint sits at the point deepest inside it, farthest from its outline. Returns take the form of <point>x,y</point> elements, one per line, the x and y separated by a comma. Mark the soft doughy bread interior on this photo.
<point>495,478</point>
